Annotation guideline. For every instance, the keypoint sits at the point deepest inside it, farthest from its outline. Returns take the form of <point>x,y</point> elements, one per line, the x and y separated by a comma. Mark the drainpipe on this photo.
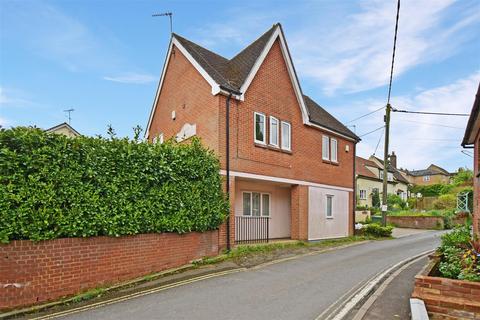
<point>227,153</point>
<point>354,184</point>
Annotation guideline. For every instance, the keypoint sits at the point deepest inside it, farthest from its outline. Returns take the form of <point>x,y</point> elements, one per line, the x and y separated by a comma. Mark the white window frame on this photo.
<point>380,174</point>
<point>273,119</point>
<point>329,196</point>
<point>160,137</point>
<point>261,204</point>
<point>363,194</point>
<point>264,141</point>
<point>285,147</point>
<point>334,141</point>
<point>426,178</point>
<point>325,151</point>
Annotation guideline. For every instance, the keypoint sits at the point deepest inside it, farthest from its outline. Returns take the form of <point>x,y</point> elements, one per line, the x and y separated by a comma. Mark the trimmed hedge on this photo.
<point>52,186</point>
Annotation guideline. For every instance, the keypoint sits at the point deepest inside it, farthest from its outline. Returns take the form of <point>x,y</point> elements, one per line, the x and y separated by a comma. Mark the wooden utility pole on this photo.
<point>385,165</point>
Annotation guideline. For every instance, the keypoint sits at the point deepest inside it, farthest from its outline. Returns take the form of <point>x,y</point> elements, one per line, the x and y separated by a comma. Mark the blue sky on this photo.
<point>104,57</point>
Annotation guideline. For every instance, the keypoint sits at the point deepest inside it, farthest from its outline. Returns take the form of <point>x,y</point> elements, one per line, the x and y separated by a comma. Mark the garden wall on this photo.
<point>416,222</point>
<point>34,272</point>
<point>448,298</point>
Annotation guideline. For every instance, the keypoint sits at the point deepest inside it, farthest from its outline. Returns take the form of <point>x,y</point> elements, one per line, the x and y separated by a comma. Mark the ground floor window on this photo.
<point>363,194</point>
<point>256,204</point>
<point>328,207</point>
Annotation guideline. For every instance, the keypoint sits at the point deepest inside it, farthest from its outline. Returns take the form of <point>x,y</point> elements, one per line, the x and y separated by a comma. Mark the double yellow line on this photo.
<point>138,294</point>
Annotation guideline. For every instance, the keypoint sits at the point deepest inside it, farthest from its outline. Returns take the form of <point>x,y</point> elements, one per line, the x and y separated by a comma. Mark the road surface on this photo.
<point>302,288</point>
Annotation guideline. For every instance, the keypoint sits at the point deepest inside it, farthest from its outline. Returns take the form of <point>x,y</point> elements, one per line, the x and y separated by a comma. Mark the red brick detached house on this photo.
<point>472,140</point>
<point>291,162</point>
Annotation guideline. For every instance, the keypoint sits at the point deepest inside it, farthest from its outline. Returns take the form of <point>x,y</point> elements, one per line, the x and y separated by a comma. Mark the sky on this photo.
<point>104,58</point>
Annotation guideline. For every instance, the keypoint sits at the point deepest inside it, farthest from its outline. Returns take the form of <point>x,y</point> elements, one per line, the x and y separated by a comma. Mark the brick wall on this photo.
<point>448,298</point>
<point>476,193</point>
<point>187,93</point>
<point>416,222</point>
<point>47,270</point>
<point>271,92</point>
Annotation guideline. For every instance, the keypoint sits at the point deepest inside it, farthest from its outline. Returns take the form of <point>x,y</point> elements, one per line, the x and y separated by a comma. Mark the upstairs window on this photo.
<point>325,148</point>
<point>329,149</point>
<point>260,136</point>
<point>286,136</point>
<point>426,178</point>
<point>333,150</point>
<point>274,131</point>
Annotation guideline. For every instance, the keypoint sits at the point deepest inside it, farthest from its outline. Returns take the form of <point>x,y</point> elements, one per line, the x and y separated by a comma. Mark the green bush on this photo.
<point>445,201</point>
<point>459,237</point>
<point>432,190</point>
<point>52,186</point>
<point>459,255</point>
<point>395,202</point>
<point>376,230</point>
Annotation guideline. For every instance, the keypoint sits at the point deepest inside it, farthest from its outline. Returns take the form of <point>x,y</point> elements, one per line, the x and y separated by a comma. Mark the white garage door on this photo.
<point>327,213</point>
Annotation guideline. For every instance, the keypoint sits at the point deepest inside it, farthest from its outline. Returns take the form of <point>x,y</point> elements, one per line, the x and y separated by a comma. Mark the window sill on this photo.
<point>261,145</point>
<point>329,218</point>
<point>333,163</point>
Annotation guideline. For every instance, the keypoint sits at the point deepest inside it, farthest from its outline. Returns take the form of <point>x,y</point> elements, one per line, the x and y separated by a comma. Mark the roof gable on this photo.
<point>238,73</point>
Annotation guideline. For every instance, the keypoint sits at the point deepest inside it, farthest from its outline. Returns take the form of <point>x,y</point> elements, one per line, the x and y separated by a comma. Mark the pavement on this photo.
<point>303,288</point>
<point>393,303</point>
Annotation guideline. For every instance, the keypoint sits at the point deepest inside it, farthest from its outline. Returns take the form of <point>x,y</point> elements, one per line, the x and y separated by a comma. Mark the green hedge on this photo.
<point>52,186</point>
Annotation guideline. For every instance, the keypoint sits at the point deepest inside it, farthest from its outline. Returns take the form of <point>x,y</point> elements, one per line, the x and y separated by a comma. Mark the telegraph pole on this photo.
<point>385,165</point>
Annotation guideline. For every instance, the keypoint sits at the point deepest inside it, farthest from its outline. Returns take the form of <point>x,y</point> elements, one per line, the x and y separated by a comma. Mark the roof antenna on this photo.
<point>69,111</point>
<point>169,14</point>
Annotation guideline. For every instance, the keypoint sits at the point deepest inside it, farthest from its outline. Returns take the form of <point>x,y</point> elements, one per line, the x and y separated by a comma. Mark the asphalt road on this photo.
<point>297,289</point>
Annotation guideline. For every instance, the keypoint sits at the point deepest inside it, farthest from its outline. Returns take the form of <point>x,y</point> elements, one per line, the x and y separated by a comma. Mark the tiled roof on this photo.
<point>233,73</point>
<point>470,131</point>
<point>361,167</point>
<point>321,117</point>
<point>396,173</point>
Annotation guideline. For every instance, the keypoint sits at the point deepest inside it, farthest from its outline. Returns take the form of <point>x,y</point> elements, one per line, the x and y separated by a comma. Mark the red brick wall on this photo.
<point>416,222</point>
<point>271,92</point>
<point>445,298</point>
<point>476,195</point>
<point>299,216</point>
<point>48,270</point>
<point>187,93</point>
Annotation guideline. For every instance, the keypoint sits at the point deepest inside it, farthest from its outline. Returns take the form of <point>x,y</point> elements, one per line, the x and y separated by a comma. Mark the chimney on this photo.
<point>393,159</point>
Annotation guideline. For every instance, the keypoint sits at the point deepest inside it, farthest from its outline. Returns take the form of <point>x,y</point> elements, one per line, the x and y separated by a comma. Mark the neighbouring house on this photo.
<point>369,178</point>
<point>291,162</point>
<point>432,175</point>
<point>65,129</point>
<point>471,139</point>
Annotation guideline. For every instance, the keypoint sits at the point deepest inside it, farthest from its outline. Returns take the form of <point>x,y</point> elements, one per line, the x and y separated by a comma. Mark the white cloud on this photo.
<point>420,140</point>
<point>135,78</point>
<point>356,54</point>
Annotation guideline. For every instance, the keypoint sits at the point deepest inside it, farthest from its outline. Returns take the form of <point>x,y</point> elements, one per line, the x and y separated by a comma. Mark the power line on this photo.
<point>367,114</point>
<point>363,135</point>
<point>432,113</point>
<point>378,143</point>
<point>393,54</point>
<point>433,124</point>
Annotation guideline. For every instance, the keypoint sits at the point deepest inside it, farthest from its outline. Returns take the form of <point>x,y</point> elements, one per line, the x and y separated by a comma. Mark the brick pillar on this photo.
<point>222,234</point>
<point>299,212</point>
<point>351,213</point>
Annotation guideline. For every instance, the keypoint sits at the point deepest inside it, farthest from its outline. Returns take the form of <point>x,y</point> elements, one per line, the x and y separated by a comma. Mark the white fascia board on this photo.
<point>159,87</point>
<point>330,131</point>
<point>283,180</point>
<point>291,71</point>
<point>215,86</point>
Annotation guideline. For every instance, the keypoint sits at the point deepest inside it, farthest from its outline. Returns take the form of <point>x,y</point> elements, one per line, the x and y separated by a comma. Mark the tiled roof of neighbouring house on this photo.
<point>430,171</point>
<point>396,173</point>
<point>361,167</point>
<point>233,73</point>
